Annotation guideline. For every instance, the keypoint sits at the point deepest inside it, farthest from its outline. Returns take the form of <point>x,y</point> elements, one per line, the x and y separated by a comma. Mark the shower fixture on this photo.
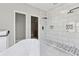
<point>72,10</point>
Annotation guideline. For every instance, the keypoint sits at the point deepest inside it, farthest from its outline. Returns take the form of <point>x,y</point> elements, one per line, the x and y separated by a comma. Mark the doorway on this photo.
<point>34,27</point>
<point>20,27</point>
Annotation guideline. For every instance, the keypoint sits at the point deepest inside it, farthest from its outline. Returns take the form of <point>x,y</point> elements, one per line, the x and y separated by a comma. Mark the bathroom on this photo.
<point>56,22</point>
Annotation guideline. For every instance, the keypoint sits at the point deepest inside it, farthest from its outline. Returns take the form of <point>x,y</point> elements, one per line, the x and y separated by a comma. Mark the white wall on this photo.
<point>7,18</point>
<point>58,17</point>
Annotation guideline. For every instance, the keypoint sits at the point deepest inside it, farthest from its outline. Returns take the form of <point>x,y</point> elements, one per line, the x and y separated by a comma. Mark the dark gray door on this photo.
<point>20,26</point>
<point>34,27</point>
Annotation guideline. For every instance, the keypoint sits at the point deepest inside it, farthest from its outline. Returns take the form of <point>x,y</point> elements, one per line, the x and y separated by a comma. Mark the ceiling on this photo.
<point>44,6</point>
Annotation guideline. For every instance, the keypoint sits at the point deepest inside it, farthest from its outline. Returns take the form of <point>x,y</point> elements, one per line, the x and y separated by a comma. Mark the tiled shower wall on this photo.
<point>58,18</point>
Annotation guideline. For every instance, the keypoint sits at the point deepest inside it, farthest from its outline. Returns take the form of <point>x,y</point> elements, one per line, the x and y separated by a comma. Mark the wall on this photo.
<point>58,17</point>
<point>7,18</point>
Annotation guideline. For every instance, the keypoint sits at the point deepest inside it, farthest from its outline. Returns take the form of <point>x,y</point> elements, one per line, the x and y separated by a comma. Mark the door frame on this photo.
<point>15,11</point>
<point>39,18</point>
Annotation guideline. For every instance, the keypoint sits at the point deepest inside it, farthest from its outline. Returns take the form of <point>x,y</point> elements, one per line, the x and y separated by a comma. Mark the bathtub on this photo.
<point>27,47</point>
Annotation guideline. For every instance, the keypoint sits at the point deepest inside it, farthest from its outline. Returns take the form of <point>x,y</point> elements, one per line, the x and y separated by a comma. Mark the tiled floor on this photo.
<point>46,50</point>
